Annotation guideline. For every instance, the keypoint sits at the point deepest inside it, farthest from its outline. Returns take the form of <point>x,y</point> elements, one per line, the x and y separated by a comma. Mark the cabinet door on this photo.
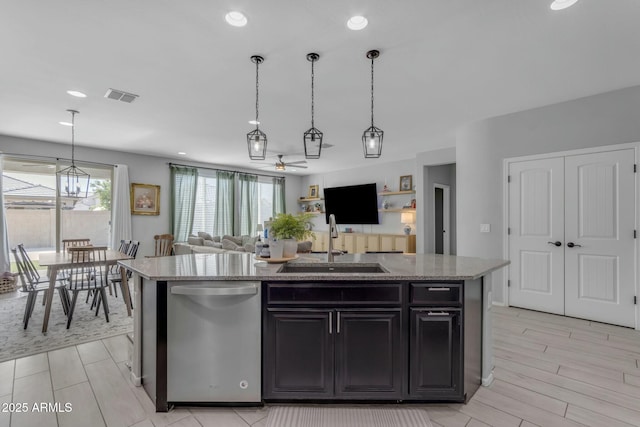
<point>400,243</point>
<point>369,352</point>
<point>319,244</point>
<point>298,354</point>
<point>387,242</point>
<point>349,244</point>
<point>373,242</point>
<point>361,243</point>
<point>435,354</point>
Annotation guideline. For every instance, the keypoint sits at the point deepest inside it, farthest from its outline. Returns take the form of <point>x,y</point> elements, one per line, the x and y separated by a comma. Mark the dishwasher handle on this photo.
<point>196,290</point>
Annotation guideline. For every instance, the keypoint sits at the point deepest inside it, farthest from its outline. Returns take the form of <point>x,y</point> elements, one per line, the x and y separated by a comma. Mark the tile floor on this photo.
<point>549,370</point>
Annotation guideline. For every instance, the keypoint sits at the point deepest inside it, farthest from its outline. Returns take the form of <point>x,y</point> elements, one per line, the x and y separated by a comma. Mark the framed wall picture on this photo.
<point>406,183</point>
<point>313,192</point>
<point>145,199</point>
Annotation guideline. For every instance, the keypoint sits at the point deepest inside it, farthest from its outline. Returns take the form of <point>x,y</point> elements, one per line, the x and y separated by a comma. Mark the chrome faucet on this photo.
<point>333,234</point>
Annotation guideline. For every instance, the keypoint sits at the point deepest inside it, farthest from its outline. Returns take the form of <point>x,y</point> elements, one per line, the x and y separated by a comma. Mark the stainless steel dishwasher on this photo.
<point>213,342</point>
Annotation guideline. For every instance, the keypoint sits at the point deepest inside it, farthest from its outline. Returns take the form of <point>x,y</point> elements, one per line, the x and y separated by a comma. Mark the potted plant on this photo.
<point>290,229</point>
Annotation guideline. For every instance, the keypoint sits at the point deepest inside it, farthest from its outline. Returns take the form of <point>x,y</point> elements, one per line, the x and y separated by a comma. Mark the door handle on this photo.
<point>556,243</point>
<point>330,323</point>
<point>338,322</point>
<point>440,313</point>
<point>571,245</point>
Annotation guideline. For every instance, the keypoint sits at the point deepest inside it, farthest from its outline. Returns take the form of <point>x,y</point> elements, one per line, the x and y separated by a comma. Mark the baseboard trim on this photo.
<point>486,381</point>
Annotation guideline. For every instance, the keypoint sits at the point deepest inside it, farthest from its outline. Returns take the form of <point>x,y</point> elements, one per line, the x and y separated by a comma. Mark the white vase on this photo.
<point>290,248</point>
<point>277,248</point>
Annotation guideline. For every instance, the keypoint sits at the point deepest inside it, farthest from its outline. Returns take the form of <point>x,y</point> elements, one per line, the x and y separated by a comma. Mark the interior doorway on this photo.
<point>441,216</point>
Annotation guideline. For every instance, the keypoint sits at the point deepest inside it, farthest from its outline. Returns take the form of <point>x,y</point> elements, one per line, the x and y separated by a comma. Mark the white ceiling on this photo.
<point>443,63</point>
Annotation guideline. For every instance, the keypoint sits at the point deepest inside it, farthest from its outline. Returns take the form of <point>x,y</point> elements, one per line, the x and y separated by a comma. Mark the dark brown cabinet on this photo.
<point>298,356</point>
<point>435,367</point>
<point>317,345</point>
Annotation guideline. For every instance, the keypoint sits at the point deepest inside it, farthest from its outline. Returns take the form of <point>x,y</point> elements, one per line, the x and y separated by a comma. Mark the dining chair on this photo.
<point>163,244</point>
<point>115,277</point>
<point>72,243</point>
<point>32,283</point>
<point>88,273</point>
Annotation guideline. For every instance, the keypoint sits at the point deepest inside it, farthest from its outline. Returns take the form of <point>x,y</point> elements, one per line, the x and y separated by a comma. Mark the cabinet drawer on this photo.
<point>334,293</point>
<point>436,293</point>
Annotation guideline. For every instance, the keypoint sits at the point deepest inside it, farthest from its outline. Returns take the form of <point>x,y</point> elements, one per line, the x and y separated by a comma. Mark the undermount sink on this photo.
<point>332,268</point>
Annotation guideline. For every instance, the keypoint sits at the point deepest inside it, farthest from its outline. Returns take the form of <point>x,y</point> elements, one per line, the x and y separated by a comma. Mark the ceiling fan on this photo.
<point>281,164</point>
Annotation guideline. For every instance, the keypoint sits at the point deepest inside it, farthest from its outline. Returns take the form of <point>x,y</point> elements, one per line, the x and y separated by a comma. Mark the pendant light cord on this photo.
<point>372,92</point>
<point>257,94</point>
<point>312,99</point>
<point>73,138</point>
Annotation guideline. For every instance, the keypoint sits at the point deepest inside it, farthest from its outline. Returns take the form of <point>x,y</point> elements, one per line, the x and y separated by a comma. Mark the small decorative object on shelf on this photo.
<point>406,183</point>
<point>317,207</point>
<point>386,204</point>
<point>385,188</point>
<point>413,203</point>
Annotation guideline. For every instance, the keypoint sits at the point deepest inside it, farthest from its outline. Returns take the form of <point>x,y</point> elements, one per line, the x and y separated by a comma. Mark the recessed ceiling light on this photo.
<point>66,123</point>
<point>182,153</point>
<point>357,22</point>
<point>562,4</point>
<point>76,93</point>
<point>236,19</point>
<point>254,122</point>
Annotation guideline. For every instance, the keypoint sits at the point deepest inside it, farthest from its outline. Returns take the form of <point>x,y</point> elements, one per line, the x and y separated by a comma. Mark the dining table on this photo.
<point>57,261</point>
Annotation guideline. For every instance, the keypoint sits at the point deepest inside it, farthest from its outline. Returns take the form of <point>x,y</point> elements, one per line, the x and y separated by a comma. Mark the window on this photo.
<point>40,220</point>
<point>223,204</point>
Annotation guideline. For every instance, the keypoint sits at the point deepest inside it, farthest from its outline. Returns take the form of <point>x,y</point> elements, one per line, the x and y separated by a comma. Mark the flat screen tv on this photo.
<point>355,204</point>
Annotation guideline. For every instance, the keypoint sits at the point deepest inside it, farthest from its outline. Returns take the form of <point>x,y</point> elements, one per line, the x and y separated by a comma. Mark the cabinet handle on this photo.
<point>440,313</point>
<point>330,323</point>
<point>439,289</point>
<point>338,323</point>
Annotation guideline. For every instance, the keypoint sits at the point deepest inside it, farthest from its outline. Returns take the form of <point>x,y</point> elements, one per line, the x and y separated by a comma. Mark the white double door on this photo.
<point>571,241</point>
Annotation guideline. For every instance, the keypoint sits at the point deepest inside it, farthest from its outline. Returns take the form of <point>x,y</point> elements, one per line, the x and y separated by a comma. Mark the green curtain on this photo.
<point>248,193</point>
<point>278,196</point>
<point>225,202</point>
<point>184,181</point>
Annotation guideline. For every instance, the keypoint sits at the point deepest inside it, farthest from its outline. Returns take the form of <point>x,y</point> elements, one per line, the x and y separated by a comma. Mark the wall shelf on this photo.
<point>316,199</point>
<point>395,193</point>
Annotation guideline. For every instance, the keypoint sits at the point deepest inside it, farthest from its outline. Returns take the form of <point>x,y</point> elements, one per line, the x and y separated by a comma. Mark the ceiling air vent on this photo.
<point>120,95</point>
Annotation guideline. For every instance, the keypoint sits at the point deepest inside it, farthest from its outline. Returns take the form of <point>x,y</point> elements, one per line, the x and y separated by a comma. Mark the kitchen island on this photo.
<point>383,327</point>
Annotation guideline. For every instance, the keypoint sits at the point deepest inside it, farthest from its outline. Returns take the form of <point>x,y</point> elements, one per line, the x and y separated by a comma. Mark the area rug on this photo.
<point>86,326</point>
<point>331,416</point>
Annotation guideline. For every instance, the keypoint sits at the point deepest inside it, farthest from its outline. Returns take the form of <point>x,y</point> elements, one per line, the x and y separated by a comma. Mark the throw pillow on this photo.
<point>217,239</point>
<point>205,235</point>
<point>231,246</point>
<point>198,241</point>
<point>249,240</point>
<point>212,244</point>
<point>249,247</point>
<point>234,239</point>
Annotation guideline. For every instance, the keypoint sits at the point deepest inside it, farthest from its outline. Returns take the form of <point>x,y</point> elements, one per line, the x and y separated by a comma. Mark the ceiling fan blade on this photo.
<point>297,166</point>
<point>298,162</point>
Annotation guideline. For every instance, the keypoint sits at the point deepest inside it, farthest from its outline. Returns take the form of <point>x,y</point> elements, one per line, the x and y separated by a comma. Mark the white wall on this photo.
<point>599,120</point>
<point>142,169</point>
<point>387,173</point>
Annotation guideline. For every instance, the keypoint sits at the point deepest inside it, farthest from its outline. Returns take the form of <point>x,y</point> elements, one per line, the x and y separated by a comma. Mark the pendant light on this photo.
<point>256,139</point>
<point>312,137</point>
<point>372,137</point>
<point>73,182</point>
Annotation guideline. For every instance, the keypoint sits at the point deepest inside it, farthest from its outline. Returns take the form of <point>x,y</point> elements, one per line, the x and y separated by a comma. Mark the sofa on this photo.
<point>206,243</point>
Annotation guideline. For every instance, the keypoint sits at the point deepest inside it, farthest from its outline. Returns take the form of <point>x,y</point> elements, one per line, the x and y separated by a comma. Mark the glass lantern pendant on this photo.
<point>256,139</point>
<point>312,137</point>
<point>73,182</point>
<point>372,137</point>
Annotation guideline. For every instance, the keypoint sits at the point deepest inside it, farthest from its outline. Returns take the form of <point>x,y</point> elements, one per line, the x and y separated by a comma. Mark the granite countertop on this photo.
<point>244,266</point>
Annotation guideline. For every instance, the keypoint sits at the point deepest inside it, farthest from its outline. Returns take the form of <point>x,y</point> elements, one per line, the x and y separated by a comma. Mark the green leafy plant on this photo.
<point>288,226</point>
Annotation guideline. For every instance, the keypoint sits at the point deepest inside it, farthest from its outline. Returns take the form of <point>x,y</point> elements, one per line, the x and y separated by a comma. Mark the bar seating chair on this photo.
<point>32,283</point>
<point>88,273</point>
<point>163,244</point>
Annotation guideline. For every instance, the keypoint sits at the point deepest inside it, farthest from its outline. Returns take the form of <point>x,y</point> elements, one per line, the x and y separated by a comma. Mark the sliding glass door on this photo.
<point>39,219</point>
